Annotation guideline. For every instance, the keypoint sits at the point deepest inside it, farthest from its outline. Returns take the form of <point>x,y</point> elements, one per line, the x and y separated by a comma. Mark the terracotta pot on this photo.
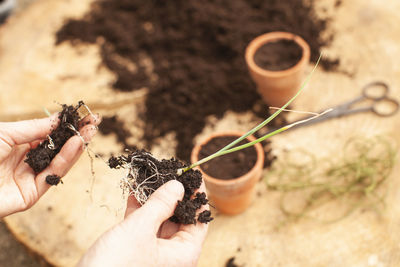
<point>231,196</point>
<point>277,87</point>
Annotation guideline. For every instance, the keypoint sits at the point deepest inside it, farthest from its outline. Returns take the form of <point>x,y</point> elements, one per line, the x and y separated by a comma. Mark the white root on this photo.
<point>51,143</point>
<point>139,190</point>
<point>70,126</point>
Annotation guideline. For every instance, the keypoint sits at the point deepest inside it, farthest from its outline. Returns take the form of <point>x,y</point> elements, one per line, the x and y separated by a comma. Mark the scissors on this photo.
<point>377,92</point>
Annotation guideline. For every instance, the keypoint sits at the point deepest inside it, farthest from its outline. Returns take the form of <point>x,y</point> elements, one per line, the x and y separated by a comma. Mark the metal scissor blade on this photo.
<point>308,121</point>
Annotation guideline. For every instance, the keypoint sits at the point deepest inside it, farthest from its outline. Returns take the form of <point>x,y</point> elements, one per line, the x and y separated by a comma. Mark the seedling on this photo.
<point>230,147</point>
<point>145,173</point>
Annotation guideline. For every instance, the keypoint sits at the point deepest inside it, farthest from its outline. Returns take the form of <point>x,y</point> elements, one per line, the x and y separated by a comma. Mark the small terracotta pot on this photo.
<point>277,87</point>
<point>231,196</point>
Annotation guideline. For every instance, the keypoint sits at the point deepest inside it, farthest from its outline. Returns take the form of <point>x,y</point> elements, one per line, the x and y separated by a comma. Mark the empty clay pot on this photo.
<point>277,87</point>
<point>231,196</point>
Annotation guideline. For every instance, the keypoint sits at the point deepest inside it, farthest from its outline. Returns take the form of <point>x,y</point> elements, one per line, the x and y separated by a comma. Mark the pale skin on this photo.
<point>144,238</point>
<point>147,238</point>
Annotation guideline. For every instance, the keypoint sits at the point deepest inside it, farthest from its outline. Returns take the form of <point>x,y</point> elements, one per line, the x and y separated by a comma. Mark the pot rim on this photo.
<point>261,40</point>
<point>259,162</point>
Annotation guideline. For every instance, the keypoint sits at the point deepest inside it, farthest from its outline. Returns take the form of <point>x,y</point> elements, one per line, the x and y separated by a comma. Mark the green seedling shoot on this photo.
<point>230,147</point>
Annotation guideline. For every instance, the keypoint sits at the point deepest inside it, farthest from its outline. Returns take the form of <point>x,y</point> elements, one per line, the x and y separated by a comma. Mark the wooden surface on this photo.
<point>65,222</point>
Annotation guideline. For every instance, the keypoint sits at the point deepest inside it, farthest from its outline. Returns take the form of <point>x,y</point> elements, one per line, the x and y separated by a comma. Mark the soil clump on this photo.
<point>228,166</point>
<point>40,157</point>
<point>147,174</point>
<point>53,179</point>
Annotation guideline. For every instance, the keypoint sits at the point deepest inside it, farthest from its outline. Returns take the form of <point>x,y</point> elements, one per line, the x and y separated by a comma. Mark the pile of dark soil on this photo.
<point>40,157</point>
<point>228,166</point>
<point>279,55</point>
<point>152,173</point>
<point>114,125</point>
<point>197,48</point>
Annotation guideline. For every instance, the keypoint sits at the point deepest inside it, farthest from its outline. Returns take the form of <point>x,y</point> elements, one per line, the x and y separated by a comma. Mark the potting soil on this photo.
<point>40,157</point>
<point>279,55</point>
<point>228,166</point>
<point>153,173</point>
<point>197,48</point>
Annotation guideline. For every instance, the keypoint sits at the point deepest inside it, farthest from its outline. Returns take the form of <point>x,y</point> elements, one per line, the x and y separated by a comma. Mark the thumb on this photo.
<point>27,131</point>
<point>161,204</point>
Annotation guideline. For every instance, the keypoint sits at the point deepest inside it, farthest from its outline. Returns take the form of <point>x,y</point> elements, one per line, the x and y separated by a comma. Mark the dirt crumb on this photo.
<point>53,179</point>
<point>228,166</point>
<point>231,262</point>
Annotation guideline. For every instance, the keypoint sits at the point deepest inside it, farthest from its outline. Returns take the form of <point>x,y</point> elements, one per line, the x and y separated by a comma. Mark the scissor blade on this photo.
<point>309,120</point>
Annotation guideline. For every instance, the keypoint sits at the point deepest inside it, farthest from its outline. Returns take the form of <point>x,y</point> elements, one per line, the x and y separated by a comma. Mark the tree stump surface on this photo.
<point>70,217</point>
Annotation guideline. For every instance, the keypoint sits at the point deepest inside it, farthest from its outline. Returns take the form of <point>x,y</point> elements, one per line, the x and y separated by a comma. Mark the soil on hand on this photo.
<point>53,179</point>
<point>148,174</point>
<point>197,53</point>
<point>40,157</point>
<point>279,55</point>
<point>228,166</point>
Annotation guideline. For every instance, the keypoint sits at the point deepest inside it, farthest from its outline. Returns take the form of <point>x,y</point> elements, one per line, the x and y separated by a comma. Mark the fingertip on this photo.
<point>97,118</point>
<point>93,119</point>
<point>161,204</point>
<point>175,187</point>
<point>88,132</point>
<point>54,116</point>
<point>54,120</point>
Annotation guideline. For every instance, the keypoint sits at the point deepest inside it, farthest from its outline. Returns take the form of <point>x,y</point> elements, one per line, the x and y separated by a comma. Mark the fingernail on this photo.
<point>97,118</point>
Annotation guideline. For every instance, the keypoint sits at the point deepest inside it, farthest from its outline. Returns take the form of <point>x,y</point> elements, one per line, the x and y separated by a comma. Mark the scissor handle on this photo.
<point>375,90</point>
<point>388,106</point>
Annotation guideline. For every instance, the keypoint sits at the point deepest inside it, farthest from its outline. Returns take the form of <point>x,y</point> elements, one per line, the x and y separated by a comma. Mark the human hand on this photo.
<point>147,238</point>
<point>20,187</point>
